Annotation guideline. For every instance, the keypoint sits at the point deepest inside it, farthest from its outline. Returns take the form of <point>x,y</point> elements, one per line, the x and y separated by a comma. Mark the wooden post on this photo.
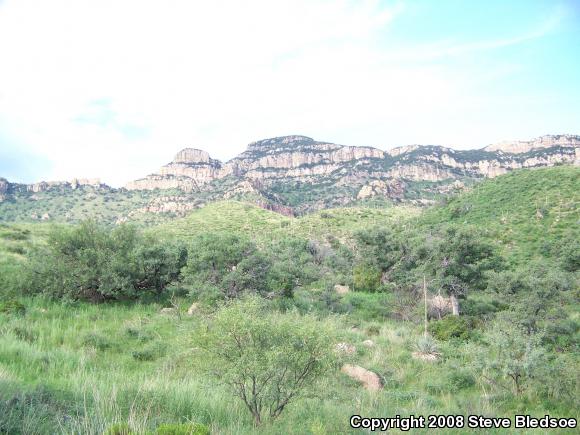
<point>425,297</point>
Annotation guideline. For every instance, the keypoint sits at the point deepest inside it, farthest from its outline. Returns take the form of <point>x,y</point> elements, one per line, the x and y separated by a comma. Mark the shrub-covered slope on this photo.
<point>529,213</point>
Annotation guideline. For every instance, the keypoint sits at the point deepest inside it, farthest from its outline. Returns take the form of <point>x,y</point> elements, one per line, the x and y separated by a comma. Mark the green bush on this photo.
<point>449,327</point>
<point>366,278</point>
<point>472,307</point>
<point>94,263</point>
<point>266,358</point>
<point>12,306</point>
<point>150,352</point>
<point>97,340</point>
<point>226,264</point>
<point>182,429</point>
<point>459,379</point>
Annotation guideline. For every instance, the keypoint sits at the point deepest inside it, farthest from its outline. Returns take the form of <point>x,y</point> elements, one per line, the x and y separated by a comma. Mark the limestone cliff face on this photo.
<point>548,141</point>
<point>390,189</point>
<point>295,156</point>
<point>7,188</point>
<point>300,158</point>
<point>189,169</point>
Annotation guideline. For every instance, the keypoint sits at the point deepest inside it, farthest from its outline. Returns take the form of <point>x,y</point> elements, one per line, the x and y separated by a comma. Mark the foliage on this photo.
<point>514,358</point>
<point>459,259</point>
<point>366,278</point>
<point>227,263</point>
<point>460,327</point>
<point>94,263</point>
<point>12,306</point>
<point>533,293</point>
<point>266,359</point>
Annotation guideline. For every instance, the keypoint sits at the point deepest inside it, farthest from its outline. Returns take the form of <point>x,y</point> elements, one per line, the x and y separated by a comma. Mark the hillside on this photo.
<point>527,212</point>
<point>260,224</point>
<point>293,175</point>
<point>84,367</point>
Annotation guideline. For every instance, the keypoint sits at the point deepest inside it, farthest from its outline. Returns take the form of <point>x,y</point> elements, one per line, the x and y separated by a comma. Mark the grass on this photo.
<point>80,368</point>
<point>75,369</point>
<point>524,211</point>
<point>248,219</point>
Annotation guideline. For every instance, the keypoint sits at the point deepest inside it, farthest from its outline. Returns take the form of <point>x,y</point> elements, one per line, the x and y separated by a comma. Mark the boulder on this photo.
<point>193,309</point>
<point>345,348</point>
<point>368,343</point>
<point>370,380</point>
<point>341,289</point>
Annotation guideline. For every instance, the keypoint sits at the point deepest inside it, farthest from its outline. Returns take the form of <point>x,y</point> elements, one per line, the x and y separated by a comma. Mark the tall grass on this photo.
<point>56,377</point>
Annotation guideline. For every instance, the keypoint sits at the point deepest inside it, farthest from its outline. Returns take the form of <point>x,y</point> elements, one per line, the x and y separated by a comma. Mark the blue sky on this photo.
<point>114,89</point>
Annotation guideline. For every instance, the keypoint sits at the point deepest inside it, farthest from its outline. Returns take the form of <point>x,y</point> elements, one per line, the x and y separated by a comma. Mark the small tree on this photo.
<point>267,359</point>
<point>459,259</point>
<point>513,358</point>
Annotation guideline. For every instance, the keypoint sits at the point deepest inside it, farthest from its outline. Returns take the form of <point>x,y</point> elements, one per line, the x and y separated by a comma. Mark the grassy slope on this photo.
<point>522,211</point>
<point>84,366</point>
<point>79,368</point>
<point>263,224</point>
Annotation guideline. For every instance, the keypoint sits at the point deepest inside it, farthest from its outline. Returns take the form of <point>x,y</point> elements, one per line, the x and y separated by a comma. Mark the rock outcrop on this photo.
<point>189,169</point>
<point>375,172</point>
<point>390,189</point>
<point>370,380</point>
<point>524,146</point>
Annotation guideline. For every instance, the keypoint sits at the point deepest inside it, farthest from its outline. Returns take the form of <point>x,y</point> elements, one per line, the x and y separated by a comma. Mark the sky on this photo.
<point>114,88</point>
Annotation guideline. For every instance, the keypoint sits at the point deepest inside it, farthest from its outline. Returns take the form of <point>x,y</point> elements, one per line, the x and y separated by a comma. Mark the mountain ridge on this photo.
<point>301,157</point>
<point>291,175</point>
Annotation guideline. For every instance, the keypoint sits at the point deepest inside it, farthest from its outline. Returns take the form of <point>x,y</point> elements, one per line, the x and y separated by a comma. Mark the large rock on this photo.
<point>370,380</point>
<point>341,289</point>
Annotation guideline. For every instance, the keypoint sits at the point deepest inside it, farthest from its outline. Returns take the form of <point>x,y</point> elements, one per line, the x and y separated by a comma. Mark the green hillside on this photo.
<point>248,219</point>
<point>527,212</point>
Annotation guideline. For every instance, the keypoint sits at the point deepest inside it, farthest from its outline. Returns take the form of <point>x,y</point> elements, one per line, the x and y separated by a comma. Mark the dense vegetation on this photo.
<point>98,332</point>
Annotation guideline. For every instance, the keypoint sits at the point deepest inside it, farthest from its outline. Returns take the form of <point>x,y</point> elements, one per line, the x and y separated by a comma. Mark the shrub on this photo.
<point>366,278</point>
<point>449,327</point>
<point>426,346</point>
<point>12,306</point>
<point>225,263</point>
<point>94,263</point>
<point>267,359</point>
<point>182,429</point>
<point>458,379</point>
<point>150,352</point>
<point>513,357</point>
<point>97,340</point>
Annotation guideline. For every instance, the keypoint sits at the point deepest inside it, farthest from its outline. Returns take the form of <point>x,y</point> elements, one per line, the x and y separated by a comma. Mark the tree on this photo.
<point>366,277</point>
<point>95,263</point>
<point>267,359</point>
<point>225,264</point>
<point>459,260</point>
<point>513,358</point>
<point>533,293</point>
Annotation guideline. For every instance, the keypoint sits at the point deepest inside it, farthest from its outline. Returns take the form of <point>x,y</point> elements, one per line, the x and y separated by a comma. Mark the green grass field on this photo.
<point>79,368</point>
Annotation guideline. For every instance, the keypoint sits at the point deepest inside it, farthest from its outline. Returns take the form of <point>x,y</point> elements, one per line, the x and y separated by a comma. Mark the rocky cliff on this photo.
<point>300,158</point>
<point>293,175</point>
